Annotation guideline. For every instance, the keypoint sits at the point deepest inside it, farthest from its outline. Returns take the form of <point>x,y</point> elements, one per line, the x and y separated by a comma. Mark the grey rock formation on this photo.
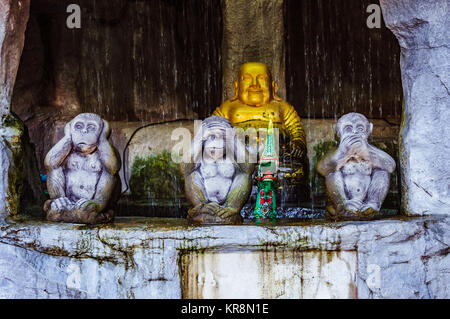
<point>423,31</point>
<point>13,22</point>
<point>253,31</point>
<point>82,169</point>
<point>14,156</point>
<point>357,174</point>
<point>139,258</point>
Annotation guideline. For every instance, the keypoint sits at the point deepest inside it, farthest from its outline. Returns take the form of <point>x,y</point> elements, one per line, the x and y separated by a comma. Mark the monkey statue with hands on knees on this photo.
<point>217,178</point>
<point>357,174</point>
<point>82,173</point>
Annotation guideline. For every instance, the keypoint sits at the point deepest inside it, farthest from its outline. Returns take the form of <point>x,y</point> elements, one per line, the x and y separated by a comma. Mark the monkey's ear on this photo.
<point>236,91</point>
<point>336,130</point>
<point>106,131</point>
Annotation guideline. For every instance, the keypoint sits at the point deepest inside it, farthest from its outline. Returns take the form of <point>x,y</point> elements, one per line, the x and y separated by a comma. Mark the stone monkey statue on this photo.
<point>357,174</point>
<point>82,173</point>
<point>218,179</point>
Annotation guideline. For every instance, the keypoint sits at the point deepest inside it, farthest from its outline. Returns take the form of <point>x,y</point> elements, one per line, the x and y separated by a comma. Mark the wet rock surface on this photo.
<point>140,257</point>
<point>423,31</point>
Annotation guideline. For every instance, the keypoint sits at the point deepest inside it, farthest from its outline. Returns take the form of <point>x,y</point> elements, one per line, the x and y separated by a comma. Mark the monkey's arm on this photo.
<point>381,160</point>
<point>378,189</point>
<point>192,185</point>
<point>109,156</point>
<point>105,187</point>
<point>329,162</point>
<point>58,153</point>
<point>239,190</point>
<point>56,182</point>
<point>336,188</point>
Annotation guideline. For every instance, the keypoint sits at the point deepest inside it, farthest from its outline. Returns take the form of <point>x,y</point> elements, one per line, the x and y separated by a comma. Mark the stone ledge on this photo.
<point>140,257</point>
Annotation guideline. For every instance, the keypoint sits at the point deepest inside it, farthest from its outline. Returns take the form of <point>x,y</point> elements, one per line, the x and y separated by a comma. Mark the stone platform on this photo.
<point>165,258</point>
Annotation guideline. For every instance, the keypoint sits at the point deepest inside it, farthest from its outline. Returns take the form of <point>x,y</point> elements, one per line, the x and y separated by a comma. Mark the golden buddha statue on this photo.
<point>255,102</point>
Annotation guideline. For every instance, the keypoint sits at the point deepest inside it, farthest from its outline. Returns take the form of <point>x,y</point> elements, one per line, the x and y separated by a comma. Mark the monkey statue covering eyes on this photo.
<point>82,173</point>
<point>357,174</point>
<point>217,178</point>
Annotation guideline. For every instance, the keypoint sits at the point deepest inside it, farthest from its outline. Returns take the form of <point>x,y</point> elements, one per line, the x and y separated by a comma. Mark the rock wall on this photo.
<point>17,165</point>
<point>423,31</point>
<point>158,258</point>
<point>13,21</point>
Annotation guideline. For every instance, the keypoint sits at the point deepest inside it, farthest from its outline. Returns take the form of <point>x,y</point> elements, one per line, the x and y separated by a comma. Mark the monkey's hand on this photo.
<point>210,208</point>
<point>61,203</point>
<point>88,205</point>
<point>227,212</point>
<point>350,143</point>
<point>353,205</point>
<point>194,211</point>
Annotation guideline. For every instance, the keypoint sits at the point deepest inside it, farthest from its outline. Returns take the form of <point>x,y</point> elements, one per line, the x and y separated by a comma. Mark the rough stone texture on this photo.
<point>270,274</point>
<point>423,31</point>
<point>13,21</point>
<point>253,31</point>
<point>20,186</point>
<point>16,156</point>
<point>141,258</point>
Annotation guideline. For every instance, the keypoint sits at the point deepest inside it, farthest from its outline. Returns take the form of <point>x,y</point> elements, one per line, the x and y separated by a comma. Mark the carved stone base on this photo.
<point>340,213</point>
<point>203,217</point>
<point>78,216</point>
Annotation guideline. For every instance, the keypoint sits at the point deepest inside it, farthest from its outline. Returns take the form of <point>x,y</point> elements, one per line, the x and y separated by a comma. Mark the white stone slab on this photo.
<point>262,274</point>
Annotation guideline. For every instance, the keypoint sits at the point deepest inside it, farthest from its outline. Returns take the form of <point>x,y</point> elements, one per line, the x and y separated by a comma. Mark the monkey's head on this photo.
<point>214,137</point>
<point>214,144</point>
<point>354,124</point>
<point>85,130</point>
<point>215,140</point>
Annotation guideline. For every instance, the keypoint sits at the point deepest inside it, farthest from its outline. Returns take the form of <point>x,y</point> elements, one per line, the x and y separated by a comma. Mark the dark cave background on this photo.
<point>161,60</point>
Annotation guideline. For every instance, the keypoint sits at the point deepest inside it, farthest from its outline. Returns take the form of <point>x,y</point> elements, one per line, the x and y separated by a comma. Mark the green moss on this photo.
<point>16,173</point>
<point>11,121</point>
<point>156,177</point>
